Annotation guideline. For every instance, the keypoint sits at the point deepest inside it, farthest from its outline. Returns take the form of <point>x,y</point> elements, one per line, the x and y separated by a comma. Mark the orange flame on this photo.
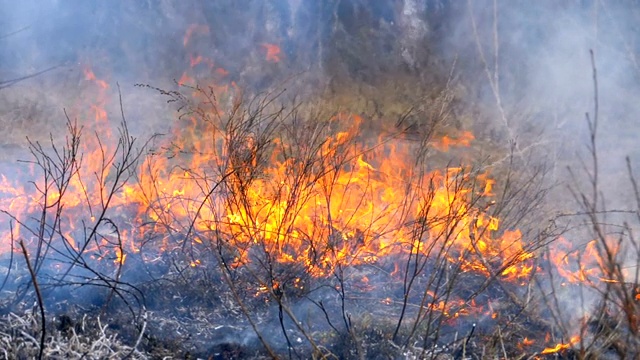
<point>357,212</point>
<point>463,139</point>
<point>185,79</point>
<point>342,202</point>
<point>360,204</point>
<point>90,76</point>
<point>273,52</point>
<point>120,257</point>
<point>580,264</point>
<point>526,342</point>
<point>562,346</point>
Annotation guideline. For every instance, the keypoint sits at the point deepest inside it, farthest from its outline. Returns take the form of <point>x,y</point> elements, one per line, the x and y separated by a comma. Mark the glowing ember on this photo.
<point>527,342</point>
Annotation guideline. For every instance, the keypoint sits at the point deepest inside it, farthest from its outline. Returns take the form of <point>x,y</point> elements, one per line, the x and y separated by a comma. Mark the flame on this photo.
<point>527,342</point>
<point>120,257</point>
<point>185,79</point>
<point>362,203</point>
<point>338,201</point>
<point>195,60</point>
<point>562,346</point>
<point>90,76</point>
<point>365,208</point>
<point>273,52</point>
<point>78,193</point>
<point>463,139</point>
<point>222,72</point>
<point>343,202</point>
<point>582,264</point>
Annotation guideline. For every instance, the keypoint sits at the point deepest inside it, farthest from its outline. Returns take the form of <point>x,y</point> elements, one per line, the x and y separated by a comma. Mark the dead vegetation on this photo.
<point>88,339</point>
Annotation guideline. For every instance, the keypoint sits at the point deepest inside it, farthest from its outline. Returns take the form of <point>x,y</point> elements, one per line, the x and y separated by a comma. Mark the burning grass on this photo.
<point>271,228</point>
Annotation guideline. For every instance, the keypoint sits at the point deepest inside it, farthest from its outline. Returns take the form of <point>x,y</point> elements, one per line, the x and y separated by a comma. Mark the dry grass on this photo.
<point>88,339</point>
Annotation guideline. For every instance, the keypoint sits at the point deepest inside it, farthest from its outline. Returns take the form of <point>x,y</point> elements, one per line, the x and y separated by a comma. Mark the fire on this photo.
<point>463,139</point>
<point>526,342</point>
<point>80,188</point>
<point>330,200</point>
<point>357,210</point>
<point>90,76</point>
<point>348,202</point>
<point>325,200</point>
<point>562,346</point>
<point>120,257</point>
<point>273,52</point>
<point>580,265</point>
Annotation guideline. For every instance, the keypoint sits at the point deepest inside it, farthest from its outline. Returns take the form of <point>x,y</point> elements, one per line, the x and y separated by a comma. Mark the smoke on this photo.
<point>534,83</point>
<point>538,56</point>
<point>124,38</point>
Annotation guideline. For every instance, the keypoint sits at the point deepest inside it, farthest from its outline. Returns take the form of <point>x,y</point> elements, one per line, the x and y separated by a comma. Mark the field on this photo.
<point>331,180</point>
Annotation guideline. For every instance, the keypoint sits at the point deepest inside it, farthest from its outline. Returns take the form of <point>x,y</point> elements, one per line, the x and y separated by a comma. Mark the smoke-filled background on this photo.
<point>521,70</point>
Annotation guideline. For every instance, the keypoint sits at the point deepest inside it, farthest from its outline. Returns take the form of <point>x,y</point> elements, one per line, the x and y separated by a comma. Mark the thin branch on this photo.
<point>6,83</point>
<point>43,331</point>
